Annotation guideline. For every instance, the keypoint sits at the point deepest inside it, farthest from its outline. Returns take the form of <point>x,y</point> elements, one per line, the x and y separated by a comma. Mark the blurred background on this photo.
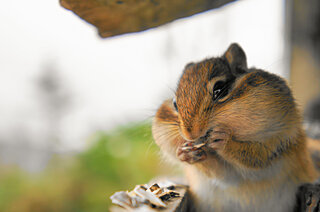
<point>76,109</point>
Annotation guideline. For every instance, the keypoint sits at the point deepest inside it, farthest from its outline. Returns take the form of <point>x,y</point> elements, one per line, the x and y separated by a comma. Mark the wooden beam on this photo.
<point>116,17</point>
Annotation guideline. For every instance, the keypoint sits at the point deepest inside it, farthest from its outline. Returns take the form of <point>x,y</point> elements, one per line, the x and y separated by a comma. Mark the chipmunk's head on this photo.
<point>230,118</point>
<point>204,87</point>
<point>223,91</point>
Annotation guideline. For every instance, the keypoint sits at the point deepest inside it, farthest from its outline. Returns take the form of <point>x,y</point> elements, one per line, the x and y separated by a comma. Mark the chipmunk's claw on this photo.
<point>308,198</point>
<point>191,153</point>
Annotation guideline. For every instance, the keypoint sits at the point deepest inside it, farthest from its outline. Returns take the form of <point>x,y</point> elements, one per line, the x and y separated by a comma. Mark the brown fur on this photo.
<point>257,122</point>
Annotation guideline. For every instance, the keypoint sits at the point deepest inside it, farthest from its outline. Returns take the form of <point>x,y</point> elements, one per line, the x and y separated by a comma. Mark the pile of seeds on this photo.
<point>153,196</point>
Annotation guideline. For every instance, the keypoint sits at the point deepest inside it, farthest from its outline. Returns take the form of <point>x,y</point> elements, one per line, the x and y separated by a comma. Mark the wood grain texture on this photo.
<point>116,17</point>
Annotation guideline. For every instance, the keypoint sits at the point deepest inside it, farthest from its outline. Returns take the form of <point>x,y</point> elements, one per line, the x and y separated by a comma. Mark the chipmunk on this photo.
<point>238,133</point>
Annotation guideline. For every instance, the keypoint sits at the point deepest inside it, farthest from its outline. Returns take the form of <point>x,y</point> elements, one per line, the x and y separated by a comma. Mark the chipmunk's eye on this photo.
<point>218,90</point>
<point>216,93</point>
<point>174,102</point>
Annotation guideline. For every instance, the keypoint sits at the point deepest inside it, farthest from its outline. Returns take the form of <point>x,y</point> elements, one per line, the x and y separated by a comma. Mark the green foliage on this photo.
<point>114,161</point>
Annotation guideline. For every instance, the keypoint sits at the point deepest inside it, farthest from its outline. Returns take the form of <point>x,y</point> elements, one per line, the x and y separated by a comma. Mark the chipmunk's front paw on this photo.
<point>191,153</point>
<point>217,139</point>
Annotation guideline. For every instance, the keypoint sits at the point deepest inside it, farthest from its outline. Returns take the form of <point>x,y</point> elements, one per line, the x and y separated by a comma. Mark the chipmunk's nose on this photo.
<point>191,133</point>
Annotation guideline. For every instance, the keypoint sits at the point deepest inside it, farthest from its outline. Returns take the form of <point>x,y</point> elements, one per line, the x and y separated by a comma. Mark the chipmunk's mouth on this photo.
<point>204,139</point>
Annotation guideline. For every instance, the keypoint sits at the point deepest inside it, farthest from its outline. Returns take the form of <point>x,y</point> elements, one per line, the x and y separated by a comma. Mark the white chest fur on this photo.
<point>218,195</point>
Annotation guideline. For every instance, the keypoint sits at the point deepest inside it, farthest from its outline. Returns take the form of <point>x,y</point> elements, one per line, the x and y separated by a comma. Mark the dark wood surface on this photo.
<point>116,17</point>
<point>308,198</point>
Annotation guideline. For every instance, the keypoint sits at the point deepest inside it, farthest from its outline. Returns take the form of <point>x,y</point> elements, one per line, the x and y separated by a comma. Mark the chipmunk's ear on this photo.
<point>237,59</point>
<point>189,65</point>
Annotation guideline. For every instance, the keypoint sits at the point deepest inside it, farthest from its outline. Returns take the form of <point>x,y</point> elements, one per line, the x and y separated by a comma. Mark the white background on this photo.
<point>114,81</point>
